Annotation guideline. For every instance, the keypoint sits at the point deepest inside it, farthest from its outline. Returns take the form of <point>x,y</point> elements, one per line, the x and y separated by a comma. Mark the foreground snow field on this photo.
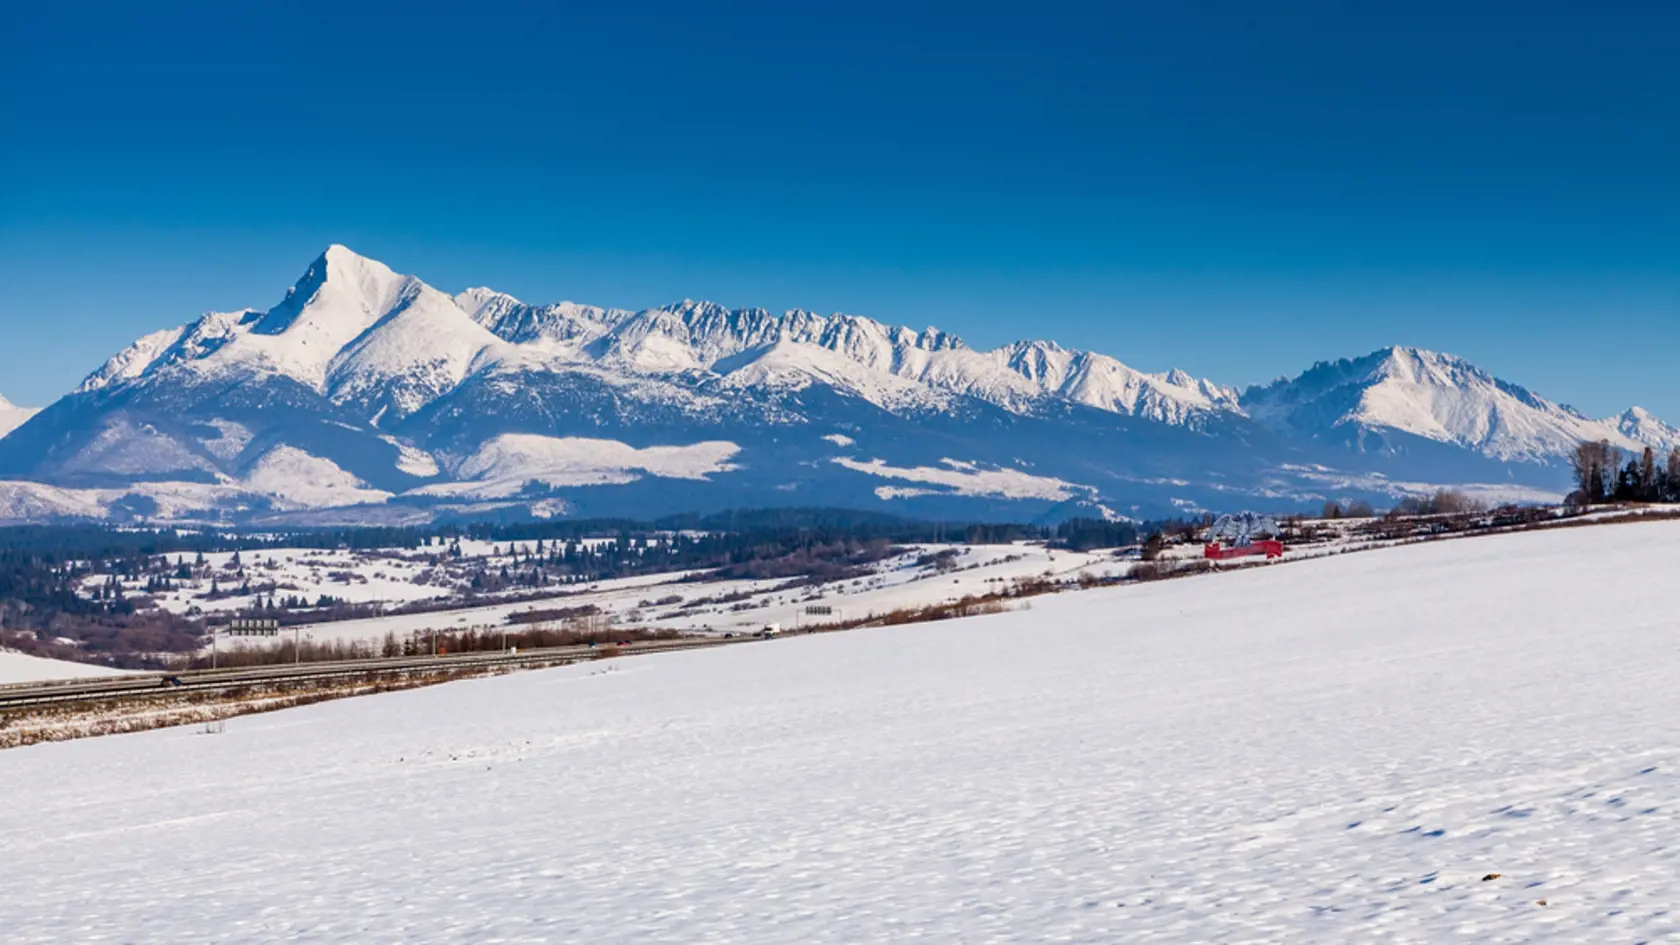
<point>1332,751</point>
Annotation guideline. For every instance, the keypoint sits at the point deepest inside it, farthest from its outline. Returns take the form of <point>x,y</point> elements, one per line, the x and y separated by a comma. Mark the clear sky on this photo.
<point>1234,188</point>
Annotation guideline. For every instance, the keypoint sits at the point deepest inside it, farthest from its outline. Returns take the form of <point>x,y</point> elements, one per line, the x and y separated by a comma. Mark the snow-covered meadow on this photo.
<point>669,602</point>
<point>21,667</point>
<point>227,582</point>
<point>1333,751</point>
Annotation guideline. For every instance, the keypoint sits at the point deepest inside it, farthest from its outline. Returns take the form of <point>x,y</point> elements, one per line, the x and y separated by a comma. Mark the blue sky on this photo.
<point>1235,191</point>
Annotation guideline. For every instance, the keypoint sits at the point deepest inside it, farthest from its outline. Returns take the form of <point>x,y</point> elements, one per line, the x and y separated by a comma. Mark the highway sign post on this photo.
<point>242,627</point>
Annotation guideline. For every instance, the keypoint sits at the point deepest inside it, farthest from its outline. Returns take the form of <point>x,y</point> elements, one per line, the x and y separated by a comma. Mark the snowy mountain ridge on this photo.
<point>370,389</point>
<point>1442,398</point>
<point>352,329</point>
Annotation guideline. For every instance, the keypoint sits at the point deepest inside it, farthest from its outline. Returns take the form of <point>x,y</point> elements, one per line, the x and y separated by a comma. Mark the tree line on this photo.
<point>88,584</point>
<point>1602,475</point>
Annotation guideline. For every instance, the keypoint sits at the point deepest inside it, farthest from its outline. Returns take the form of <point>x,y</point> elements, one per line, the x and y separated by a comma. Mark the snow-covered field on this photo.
<point>20,667</point>
<point>618,596</point>
<point>1335,751</point>
<point>392,576</point>
<point>225,583</point>
<point>658,600</point>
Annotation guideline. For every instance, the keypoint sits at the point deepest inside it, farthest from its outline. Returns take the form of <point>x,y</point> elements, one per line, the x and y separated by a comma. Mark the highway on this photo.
<point>142,685</point>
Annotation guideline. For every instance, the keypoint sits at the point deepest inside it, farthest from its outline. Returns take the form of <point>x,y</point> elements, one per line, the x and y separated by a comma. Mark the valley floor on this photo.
<point>1473,741</point>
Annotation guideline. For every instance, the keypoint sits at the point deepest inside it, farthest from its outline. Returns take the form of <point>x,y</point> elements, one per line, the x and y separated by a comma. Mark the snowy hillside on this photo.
<point>1261,756</point>
<point>368,390</point>
<point>20,667</point>
<point>12,416</point>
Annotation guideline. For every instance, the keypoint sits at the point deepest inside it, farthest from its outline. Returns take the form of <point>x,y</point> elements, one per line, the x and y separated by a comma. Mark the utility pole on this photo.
<point>213,652</point>
<point>297,646</point>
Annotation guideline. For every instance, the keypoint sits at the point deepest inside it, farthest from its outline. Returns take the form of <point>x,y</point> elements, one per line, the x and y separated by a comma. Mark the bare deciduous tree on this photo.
<point>1594,465</point>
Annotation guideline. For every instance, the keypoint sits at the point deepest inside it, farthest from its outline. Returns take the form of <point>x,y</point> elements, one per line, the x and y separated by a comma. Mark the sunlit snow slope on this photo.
<point>21,667</point>
<point>1331,751</point>
<point>13,416</point>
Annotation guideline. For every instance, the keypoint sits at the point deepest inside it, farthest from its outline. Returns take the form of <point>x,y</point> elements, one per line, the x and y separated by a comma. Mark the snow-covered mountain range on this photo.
<point>1366,402</point>
<point>367,395</point>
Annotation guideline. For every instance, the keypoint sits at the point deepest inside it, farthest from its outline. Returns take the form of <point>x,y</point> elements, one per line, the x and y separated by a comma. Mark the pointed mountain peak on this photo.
<point>341,255</point>
<point>347,271</point>
<point>1645,428</point>
<point>1413,351</point>
<point>1422,366</point>
<point>1407,354</point>
<point>339,284</point>
<point>341,264</point>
